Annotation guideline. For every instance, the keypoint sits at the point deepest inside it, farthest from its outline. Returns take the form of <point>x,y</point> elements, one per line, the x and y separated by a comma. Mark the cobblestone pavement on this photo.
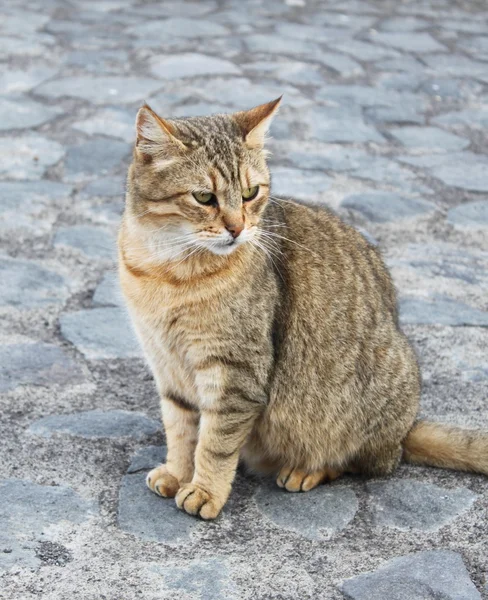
<point>384,119</point>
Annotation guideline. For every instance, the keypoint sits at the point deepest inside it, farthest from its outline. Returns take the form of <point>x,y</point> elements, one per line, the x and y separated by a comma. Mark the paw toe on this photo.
<point>162,483</point>
<point>197,501</point>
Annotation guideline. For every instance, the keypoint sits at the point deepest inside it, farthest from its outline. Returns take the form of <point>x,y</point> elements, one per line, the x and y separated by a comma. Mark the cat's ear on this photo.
<point>254,123</point>
<point>156,137</point>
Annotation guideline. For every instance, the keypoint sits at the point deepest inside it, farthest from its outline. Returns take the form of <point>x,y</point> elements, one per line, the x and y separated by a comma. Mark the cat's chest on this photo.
<point>175,334</point>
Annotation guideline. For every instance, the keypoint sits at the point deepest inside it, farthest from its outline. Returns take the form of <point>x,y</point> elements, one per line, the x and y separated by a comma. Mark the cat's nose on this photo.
<point>235,229</point>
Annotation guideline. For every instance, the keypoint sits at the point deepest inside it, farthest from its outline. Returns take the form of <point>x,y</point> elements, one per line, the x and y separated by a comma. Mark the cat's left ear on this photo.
<point>254,123</point>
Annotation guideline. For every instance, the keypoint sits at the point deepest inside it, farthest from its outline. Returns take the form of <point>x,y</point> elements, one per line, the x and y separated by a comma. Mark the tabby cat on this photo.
<point>271,328</point>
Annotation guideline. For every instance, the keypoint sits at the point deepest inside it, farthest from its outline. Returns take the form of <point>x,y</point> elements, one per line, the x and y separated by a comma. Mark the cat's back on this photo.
<point>325,255</point>
<point>329,266</point>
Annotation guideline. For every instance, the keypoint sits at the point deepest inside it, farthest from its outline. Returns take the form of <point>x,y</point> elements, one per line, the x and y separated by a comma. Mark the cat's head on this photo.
<point>200,183</point>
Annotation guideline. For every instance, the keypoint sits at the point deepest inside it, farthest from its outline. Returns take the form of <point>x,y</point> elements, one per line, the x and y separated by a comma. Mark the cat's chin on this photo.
<point>223,249</point>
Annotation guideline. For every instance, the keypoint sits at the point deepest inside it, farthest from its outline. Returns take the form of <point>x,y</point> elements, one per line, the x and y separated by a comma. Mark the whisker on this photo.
<point>277,235</point>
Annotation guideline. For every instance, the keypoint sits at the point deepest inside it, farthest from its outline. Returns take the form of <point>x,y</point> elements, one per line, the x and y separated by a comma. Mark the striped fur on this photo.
<point>281,347</point>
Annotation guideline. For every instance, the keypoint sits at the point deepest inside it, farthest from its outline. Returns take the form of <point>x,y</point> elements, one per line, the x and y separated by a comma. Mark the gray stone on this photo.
<point>22,19</point>
<point>440,310</point>
<point>297,73</point>
<point>278,44</point>
<point>147,458</point>
<point>336,125</point>
<point>303,185</point>
<point>430,139</point>
<point>109,212</point>
<point>100,333</point>
<point>393,114</point>
<point>450,264</point>
<point>475,118</point>
<point>19,112</point>
<point>359,164</point>
<point>199,109</point>
<point>477,46</point>
<point>150,517</point>
<point>316,515</point>
<point>105,187</point>
<point>209,579</point>
<point>179,27</point>
<point>464,26</point>
<point>332,157</point>
<point>28,511</point>
<point>242,93</point>
<point>190,65</point>
<point>473,215</point>
<point>347,22</point>
<point>382,207</point>
<point>447,88</point>
<point>175,8</point>
<point>403,24</point>
<point>92,241</point>
<point>419,576</point>
<point>411,42</point>
<point>24,204</point>
<point>344,65</point>
<point>401,82</point>
<point>364,95</point>
<point>384,170</point>
<point>308,32</point>
<point>26,157</point>
<point>455,65</point>
<point>95,424</point>
<point>464,170</point>
<point>100,90</point>
<point>28,46</point>
<point>364,51</point>
<point>402,64</point>
<point>36,364</point>
<point>112,122</point>
<point>94,157</point>
<point>469,175</point>
<point>29,284</point>
<point>410,504</point>
<point>108,291</point>
<point>15,80</point>
<point>99,62</point>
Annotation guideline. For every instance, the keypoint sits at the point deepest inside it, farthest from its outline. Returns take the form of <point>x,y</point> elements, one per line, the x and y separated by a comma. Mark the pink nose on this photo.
<point>234,229</point>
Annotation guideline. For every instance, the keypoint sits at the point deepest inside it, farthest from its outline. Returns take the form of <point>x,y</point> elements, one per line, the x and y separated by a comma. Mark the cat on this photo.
<point>271,327</point>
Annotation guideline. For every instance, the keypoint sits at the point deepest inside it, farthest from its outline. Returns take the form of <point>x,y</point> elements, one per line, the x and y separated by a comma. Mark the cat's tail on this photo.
<point>439,445</point>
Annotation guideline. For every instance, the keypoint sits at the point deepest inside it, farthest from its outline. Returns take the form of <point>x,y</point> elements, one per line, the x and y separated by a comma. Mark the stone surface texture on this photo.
<point>384,119</point>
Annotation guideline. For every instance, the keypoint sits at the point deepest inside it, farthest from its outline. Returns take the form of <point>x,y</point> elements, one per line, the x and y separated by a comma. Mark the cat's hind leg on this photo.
<point>299,480</point>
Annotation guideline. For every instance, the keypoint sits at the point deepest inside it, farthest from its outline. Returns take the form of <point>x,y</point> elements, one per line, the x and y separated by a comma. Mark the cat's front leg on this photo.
<point>180,421</point>
<point>222,434</point>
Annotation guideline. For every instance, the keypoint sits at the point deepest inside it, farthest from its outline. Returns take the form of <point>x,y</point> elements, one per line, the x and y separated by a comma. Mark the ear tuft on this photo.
<point>155,136</point>
<point>254,123</point>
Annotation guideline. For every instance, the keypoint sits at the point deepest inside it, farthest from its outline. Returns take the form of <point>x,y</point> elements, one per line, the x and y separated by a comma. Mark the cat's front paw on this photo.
<point>161,482</point>
<point>195,500</point>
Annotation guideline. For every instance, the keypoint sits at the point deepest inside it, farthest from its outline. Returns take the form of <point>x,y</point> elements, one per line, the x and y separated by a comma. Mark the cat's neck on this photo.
<point>141,260</point>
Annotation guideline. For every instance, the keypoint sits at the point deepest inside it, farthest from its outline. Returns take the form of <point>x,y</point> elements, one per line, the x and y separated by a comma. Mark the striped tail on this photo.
<point>447,447</point>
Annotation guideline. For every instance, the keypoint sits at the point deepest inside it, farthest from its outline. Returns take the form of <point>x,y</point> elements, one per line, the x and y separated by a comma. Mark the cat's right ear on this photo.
<point>156,137</point>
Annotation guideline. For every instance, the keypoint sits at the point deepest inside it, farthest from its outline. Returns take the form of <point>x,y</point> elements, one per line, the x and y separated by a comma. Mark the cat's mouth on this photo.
<point>223,247</point>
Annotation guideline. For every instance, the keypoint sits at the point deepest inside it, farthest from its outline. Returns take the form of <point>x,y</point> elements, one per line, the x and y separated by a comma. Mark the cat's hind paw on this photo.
<point>161,482</point>
<point>296,480</point>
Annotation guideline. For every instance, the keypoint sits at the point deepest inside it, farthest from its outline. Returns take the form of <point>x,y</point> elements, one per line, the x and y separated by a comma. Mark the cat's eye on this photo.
<point>250,193</point>
<point>205,197</point>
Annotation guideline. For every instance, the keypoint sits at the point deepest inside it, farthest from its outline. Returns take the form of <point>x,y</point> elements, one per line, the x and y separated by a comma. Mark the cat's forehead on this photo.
<point>212,132</point>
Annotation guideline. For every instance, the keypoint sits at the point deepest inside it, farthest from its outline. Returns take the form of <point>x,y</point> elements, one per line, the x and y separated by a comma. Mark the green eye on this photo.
<point>250,193</point>
<point>205,197</point>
